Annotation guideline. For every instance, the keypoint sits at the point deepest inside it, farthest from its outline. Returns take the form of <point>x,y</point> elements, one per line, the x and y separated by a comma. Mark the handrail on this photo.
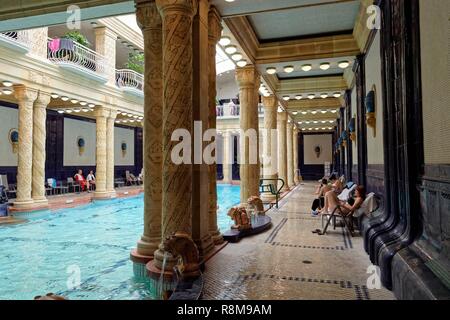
<point>21,36</point>
<point>126,78</point>
<point>271,189</point>
<point>79,55</point>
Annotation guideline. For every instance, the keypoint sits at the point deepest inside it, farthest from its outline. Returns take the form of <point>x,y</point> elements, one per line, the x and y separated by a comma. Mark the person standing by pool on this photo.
<point>91,179</point>
<point>81,180</point>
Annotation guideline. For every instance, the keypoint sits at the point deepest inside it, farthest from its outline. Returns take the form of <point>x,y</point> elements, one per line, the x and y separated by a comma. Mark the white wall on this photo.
<point>8,120</point>
<point>310,142</point>
<point>72,130</point>
<point>373,77</point>
<point>127,136</point>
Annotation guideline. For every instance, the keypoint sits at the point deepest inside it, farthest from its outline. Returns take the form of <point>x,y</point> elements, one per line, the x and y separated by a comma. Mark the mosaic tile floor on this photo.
<point>290,262</point>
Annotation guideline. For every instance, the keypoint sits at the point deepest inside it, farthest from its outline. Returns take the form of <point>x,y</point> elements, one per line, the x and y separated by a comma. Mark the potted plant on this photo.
<point>77,37</point>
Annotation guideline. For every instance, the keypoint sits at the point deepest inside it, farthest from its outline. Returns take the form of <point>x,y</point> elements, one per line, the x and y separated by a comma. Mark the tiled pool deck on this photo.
<point>290,262</point>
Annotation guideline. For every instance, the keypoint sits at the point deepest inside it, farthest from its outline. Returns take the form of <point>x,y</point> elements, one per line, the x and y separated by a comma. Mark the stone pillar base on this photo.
<point>217,237</point>
<point>23,204</point>
<point>102,195</point>
<point>204,245</point>
<point>146,246</point>
<point>42,201</point>
<point>266,197</point>
<point>155,273</point>
<point>139,258</point>
<point>112,194</point>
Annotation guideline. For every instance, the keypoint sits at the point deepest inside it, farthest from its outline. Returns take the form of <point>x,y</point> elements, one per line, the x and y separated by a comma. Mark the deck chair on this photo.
<point>10,189</point>
<point>366,207</point>
<point>343,196</point>
<point>130,178</point>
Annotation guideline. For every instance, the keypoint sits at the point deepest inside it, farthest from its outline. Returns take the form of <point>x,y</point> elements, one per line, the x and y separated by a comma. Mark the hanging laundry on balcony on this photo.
<point>67,44</point>
<point>54,45</point>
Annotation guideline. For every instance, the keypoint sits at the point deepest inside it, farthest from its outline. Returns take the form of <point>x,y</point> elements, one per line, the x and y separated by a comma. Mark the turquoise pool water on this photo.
<point>82,253</point>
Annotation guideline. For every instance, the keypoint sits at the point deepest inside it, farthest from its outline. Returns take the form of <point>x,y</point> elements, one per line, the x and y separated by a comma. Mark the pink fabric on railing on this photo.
<point>54,45</point>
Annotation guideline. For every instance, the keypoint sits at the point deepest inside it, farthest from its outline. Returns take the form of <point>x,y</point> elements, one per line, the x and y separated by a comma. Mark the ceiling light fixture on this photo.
<point>298,97</point>
<point>7,83</point>
<point>224,41</point>
<point>286,98</point>
<point>336,94</point>
<point>314,112</point>
<point>325,66</point>
<point>83,103</point>
<point>288,69</point>
<point>324,95</point>
<point>54,95</point>
<point>304,112</point>
<point>91,105</point>
<point>295,113</point>
<point>85,110</point>
<point>64,98</point>
<point>306,67</point>
<point>230,49</point>
<point>7,91</point>
<point>343,64</point>
<point>77,110</point>
<point>311,96</point>
<point>74,101</point>
<point>324,111</point>
<point>69,110</point>
<point>237,56</point>
<point>271,70</point>
<point>333,111</point>
<point>241,63</point>
<point>60,111</point>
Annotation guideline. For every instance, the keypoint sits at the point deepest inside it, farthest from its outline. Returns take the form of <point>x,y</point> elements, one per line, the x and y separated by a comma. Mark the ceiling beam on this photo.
<point>314,104</point>
<point>311,85</point>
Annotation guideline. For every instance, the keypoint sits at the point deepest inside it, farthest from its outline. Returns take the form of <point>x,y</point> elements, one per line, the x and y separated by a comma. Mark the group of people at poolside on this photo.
<point>85,184</point>
<point>328,192</point>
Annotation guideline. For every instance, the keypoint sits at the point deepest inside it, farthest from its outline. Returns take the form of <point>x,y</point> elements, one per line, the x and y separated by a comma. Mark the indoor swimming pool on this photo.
<point>82,253</point>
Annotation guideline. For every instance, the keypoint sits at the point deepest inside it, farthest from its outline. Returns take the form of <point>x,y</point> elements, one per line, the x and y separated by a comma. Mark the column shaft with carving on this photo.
<point>248,79</point>
<point>26,98</point>
<point>227,159</point>
<point>39,149</point>
<point>110,153</point>
<point>101,116</point>
<point>177,16</point>
<point>214,32</point>
<point>150,22</point>
<point>282,148</point>
<point>270,151</point>
<point>290,154</point>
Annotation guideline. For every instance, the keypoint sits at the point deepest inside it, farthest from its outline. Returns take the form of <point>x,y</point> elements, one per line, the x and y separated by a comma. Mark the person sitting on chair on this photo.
<point>319,201</point>
<point>346,208</point>
<point>81,180</point>
<point>91,178</point>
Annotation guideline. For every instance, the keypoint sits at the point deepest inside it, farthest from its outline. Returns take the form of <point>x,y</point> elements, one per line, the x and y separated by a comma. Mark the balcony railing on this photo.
<point>77,58</point>
<point>129,79</point>
<point>232,110</point>
<point>18,40</point>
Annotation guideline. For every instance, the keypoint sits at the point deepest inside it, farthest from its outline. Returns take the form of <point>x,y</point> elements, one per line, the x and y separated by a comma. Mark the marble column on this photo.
<point>105,44</point>
<point>110,154</point>
<point>177,17</point>
<point>227,158</point>
<point>248,79</point>
<point>270,168</point>
<point>282,149</point>
<point>201,197</point>
<point>25,98</point>
<point>101,115</point>
<point>290,153</point>
<point>296,169</point>
<point>214,32</point>
<point>149,20</point>
<point>39,148</point>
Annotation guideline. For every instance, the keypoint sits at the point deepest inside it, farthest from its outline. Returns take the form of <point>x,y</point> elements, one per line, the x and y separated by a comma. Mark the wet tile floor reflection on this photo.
<point>290,262</point>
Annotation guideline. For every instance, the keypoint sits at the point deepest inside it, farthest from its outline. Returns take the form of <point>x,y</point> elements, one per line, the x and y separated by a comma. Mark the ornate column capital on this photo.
<point>101,112</point>
<point>181,7</point>
<point>269,102</point>
<point>25,94</point>
<point>113,114</point>
<point>282,116</point>
<point>246,77</point>
<point>42,100</point>
<point>147,15</point>
<point>214,25</point>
